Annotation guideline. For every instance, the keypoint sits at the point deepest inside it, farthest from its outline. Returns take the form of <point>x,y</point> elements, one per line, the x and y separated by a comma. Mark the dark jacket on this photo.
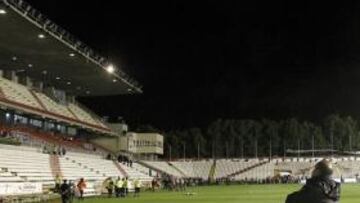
<point>65,190</point>
<point>317,190</point>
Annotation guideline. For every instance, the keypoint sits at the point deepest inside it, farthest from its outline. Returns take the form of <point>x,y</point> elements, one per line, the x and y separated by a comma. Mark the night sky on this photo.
<point>203,60</point>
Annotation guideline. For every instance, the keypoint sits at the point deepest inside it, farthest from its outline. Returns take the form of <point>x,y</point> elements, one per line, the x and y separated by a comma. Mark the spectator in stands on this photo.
<point>110,186</point>
<point>81,187</point>
<point>137,185</point>
<point>58,151</point>
<point>119,158</point>
<point>45,150</point>
<point>63,151</point>
<point>65,192</point>
<point>320,188</point>
<point>53,149</point>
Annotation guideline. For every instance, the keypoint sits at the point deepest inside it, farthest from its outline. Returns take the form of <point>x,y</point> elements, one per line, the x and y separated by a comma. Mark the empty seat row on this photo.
<point>18,93</point>
<point>27,98</point>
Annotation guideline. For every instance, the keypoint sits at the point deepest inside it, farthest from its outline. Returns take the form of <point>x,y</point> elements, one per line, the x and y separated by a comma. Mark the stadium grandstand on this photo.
<point>45,133</point>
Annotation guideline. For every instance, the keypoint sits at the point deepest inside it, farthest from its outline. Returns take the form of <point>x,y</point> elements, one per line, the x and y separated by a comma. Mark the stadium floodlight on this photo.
<point>110,68</point>
<point>14,58</point>
<point>68,83</point>
<point>30,65</point>
<point>71,54</point>
<point>41,36</point>
<point>114,80</point>
<point>57,78</point>
<point>2,11</point>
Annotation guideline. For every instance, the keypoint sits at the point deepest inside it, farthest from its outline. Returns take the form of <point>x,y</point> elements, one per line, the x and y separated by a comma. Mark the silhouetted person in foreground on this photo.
<point>320,188</point>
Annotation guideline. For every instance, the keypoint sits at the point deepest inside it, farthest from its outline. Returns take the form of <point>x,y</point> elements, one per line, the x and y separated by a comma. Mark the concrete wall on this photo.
<point>110,143</point>
<point>136,143</point>
<point>146,143</point>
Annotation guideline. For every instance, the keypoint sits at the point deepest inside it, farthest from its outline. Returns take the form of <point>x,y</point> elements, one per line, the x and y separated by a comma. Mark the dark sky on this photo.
<point>201,60</point>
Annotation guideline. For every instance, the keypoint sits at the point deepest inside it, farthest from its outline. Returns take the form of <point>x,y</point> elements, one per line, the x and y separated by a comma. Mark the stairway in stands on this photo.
<point>177,169</point>
<point>121,169</point>
<point>212,171</point>
<point>38,100</point>
<point>73,114</point>
<point>55,165</point>
<point>2,95</point>
<point>247,169</point>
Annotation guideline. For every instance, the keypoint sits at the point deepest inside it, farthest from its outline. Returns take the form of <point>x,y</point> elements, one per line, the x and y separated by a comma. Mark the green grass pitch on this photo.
<point>228,194</point>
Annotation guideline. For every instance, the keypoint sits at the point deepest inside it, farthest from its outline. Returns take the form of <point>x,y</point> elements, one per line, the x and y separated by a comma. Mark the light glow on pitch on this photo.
<point>110,68</point>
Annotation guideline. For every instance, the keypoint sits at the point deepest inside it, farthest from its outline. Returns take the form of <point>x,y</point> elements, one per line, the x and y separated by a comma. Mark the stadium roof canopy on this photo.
<point>33,45</point>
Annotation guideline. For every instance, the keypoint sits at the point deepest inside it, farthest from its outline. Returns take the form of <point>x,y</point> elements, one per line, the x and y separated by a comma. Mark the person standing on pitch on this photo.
<point>118,187</point>
<point>72,187</point>
<point>110,186</point>
<point>182,184</point>
<point>125,187</point>
<point>320,188</point>
<point>57,183</point>
<point>81,187</point>
<point>137,185</point>
<point>64,192</point>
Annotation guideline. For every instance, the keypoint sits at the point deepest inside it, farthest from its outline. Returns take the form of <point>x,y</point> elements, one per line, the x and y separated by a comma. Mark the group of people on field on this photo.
<point>320,188</point>
<point>68,189</point>
<point>121,187</point>
<point>174,184</point>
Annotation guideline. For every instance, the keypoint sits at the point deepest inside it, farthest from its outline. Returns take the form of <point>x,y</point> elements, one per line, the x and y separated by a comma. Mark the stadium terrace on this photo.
<point>53,147</point>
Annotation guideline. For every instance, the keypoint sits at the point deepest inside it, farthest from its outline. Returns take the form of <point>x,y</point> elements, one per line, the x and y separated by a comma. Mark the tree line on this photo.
<point>227,138</point>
